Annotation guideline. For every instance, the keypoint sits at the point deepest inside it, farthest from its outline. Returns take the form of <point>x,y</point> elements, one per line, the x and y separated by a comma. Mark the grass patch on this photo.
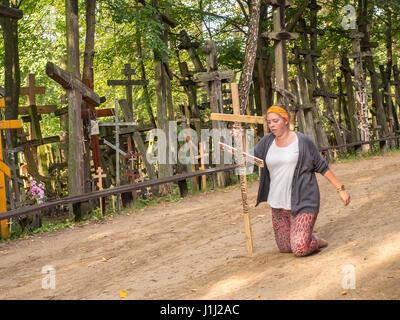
<point>355,156</point>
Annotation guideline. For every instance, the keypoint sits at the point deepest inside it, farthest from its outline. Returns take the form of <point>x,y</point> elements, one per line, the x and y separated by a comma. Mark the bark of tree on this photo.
<point>143,73</point>
<point>350,107</point>
<point>250,55</point>
<point>88,78</point>
<point>75,149</point>
<point>164,170</point>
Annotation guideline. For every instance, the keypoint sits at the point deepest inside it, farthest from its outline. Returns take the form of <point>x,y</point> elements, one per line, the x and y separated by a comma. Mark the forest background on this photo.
<point>126,32</point>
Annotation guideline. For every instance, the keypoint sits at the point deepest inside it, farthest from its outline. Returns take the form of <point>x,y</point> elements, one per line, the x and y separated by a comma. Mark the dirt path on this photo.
<point>195,248</point>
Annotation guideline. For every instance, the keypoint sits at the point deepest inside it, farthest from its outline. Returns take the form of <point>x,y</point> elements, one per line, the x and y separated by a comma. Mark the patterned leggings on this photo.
<point>294,233</point>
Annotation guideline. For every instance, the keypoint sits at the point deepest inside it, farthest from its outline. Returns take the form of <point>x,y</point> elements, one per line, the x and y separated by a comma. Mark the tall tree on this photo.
<point>75,141</point>
<point>88,79</point>
<point>250,55</point>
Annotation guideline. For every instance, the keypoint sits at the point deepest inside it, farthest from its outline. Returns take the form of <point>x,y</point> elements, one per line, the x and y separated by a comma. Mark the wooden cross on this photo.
<point>77,91</point>
<point>99,176</point>
<point>280,35</point>
<point>137,138</point>
<point>390,106</point>
<point>213,79</point>
<point>128,84</point>
<point>14,168</point>
<point>237,119</point>
<point>5,171</point>
<point>376,127</point>
<point>329,107</point>
<point>31,91</point>
<point>186,124</point>
<point>361,86</point>
<point>132,157</point>
<point>117,125</point>
<point>191,47</point>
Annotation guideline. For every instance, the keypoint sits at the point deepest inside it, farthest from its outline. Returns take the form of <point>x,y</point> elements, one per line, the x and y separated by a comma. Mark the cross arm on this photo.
<point>69,82</point>
<point>127,82</point>
<point>228,75</point>
<point>248,157</point>
<point>237,118</point>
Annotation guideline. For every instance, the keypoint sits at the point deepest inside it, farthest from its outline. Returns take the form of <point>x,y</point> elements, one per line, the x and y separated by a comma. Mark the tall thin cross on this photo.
<point>237,119</point>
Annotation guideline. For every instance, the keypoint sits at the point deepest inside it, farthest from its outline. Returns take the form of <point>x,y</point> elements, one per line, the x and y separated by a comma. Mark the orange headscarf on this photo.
<point>282,112</point>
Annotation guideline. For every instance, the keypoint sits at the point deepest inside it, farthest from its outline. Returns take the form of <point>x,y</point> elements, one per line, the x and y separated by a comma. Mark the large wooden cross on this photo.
<point>5,171</point>
<point>77,91</point>
<point>128,83</point>
<point>237,119</point>
<point>280,35</point>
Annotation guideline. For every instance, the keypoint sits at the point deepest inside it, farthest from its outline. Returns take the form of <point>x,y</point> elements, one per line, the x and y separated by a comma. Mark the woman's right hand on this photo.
<point>344,196</point>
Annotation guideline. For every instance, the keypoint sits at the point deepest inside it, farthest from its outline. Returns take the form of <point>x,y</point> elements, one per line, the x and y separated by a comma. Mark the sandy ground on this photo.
<point>195,248</point>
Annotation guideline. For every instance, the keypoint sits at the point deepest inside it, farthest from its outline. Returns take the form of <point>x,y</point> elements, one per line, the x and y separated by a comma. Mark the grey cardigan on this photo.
<point>305,192</point>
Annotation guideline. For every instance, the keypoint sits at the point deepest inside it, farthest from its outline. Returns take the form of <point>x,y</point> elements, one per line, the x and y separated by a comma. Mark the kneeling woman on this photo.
<point>288,184</point>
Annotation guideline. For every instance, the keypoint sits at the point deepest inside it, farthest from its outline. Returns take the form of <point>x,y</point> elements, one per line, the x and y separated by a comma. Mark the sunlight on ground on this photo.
<point>228,286</point>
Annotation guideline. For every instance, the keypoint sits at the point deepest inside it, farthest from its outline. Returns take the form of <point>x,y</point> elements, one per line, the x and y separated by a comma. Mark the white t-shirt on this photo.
<point>281,163</point>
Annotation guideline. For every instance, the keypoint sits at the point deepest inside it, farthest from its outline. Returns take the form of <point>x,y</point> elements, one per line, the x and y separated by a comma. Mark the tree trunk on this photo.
<point>376,96</point>
<point>12,81</point>
<point>250,55</point>
<point>164,169</point>
<point>75,150</point>
<point>143,72</point>
<point>350,108</point>
<point>87,76</point>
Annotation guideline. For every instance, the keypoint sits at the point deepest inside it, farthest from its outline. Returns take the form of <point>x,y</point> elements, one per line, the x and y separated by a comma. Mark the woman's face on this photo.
<point>276,124</point>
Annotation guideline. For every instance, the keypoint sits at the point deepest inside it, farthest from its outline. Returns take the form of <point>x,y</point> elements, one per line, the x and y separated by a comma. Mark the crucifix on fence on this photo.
<point>237,119</point>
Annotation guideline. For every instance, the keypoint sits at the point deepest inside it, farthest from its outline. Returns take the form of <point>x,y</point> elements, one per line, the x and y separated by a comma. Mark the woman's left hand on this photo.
<point>345,197</point>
